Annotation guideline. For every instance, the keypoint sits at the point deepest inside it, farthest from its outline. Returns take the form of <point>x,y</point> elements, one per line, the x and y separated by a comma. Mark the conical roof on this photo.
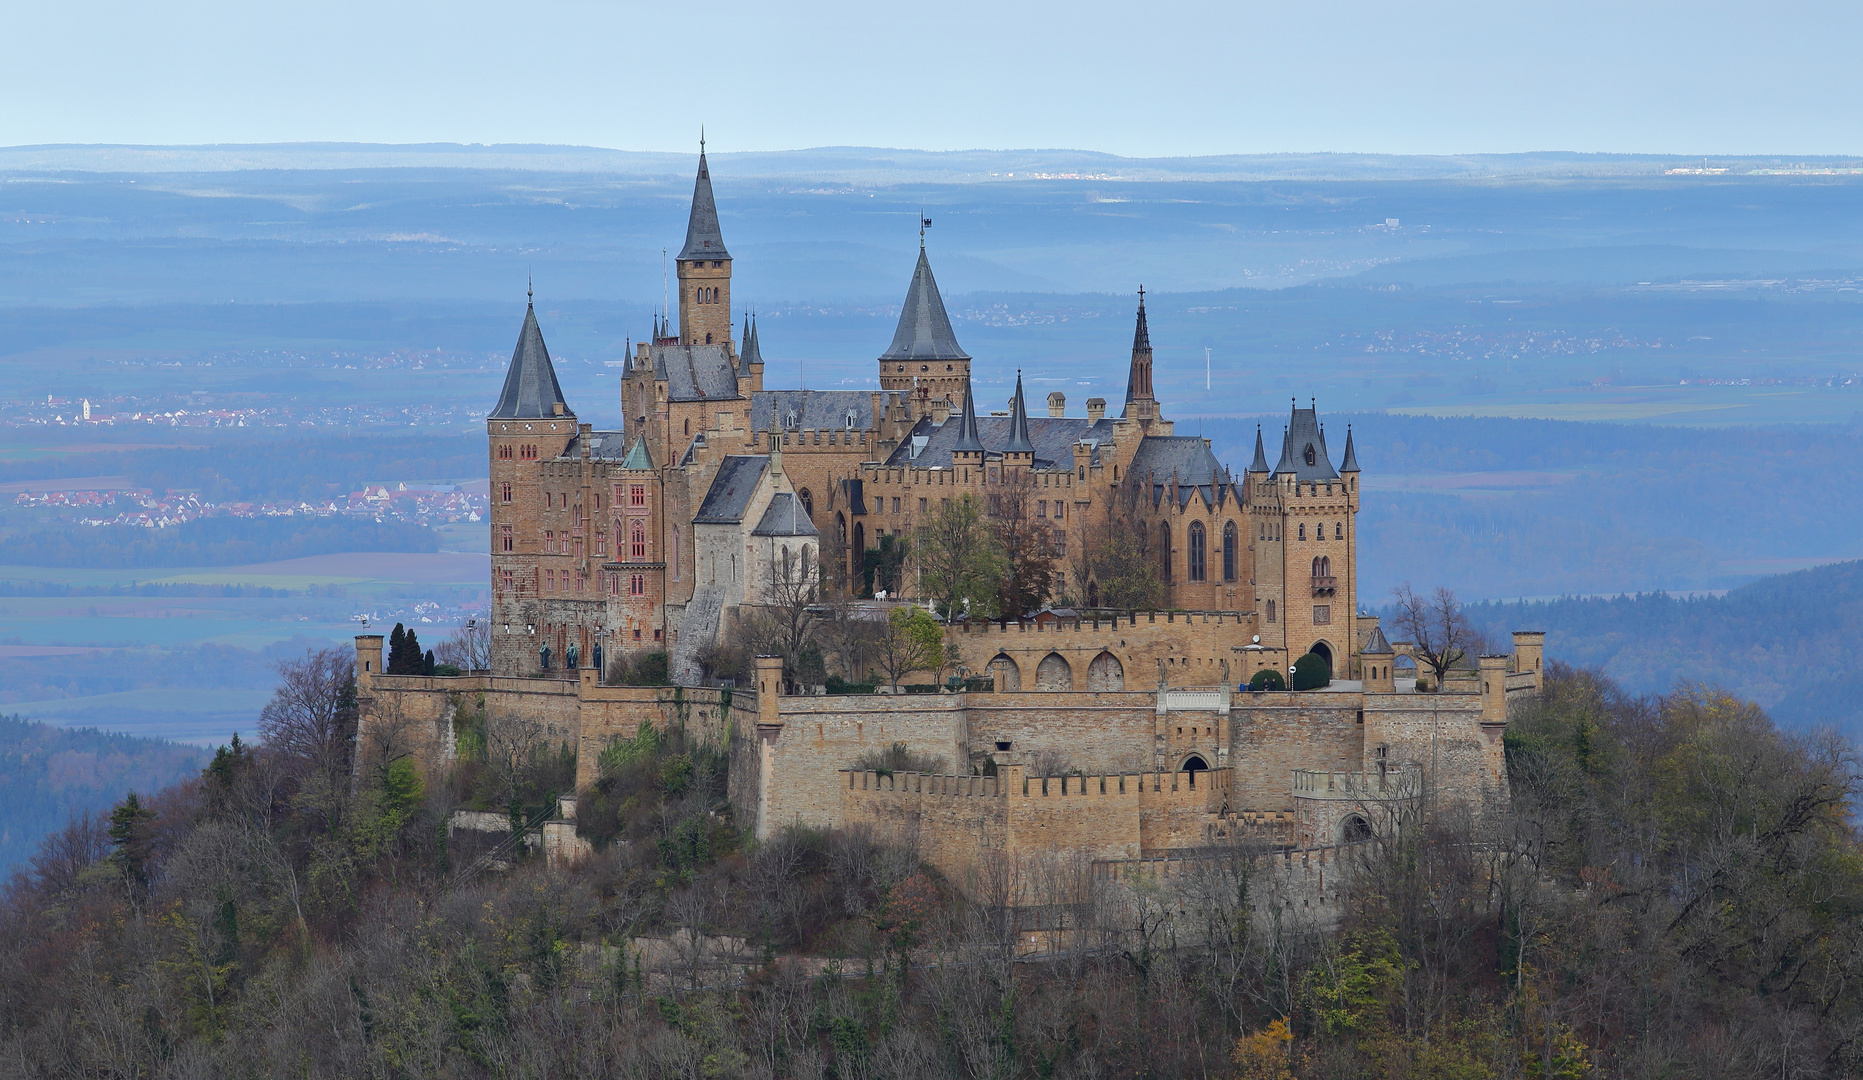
<point>1019,442</point>
<point>703,238</point>
<point>1350,464</point>
<point>1260,464</point>
<point>531,391</point>
<point>967,437</point>
<point>1377,646</point>
<point>924,331</point>
<point>637,455</point>
<point>1286,464</point>
<point>753,349</point>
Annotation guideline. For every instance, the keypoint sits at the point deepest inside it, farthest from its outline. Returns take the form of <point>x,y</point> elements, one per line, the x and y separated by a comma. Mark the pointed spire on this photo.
<point>967,437</point>
<point>1286,464</point>
<point>753,349</point>
<point>531,391</point>
<point>924,331</point>
<point>1019,442</point>
<point>1350,464</point>
<point>1138,377</point>
<point>1260,464</point>
<point>703,238</point>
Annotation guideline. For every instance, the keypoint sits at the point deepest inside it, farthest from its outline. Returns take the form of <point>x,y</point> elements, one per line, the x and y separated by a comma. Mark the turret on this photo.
<point>1375,662</point>
<point>1141,405</point>
<point>924,363</point>
<point>1020,449</point>
<point>704,269</point>
<point>968,449</point>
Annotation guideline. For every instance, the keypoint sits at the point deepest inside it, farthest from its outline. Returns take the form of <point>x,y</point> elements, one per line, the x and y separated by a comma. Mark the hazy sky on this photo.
<point>1140,78</point>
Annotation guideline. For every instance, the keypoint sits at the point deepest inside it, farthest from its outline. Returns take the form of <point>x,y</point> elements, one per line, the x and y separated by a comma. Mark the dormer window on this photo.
<point>1310,455</point>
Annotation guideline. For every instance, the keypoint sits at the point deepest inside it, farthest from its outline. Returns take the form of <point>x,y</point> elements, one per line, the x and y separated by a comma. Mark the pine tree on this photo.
<point>131,841</point>
<point>397,650</point>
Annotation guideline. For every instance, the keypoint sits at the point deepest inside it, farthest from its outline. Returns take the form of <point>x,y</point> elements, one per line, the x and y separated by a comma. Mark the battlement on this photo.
<point>1095,621</point>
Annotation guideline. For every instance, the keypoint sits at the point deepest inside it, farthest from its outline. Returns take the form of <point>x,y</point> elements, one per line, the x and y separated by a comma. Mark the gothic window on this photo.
<point>1164,550</point>
<point>578,547</point>
<point>1229,551</point>
<point>807,500</point>
<point>637,495</point>
<point>509,579</point>
<point>1316,566</point>
<point>1270,611</point>
<point>510,540</point>
<point>505,492</point>
<point>1326,566</point>
<point>1195,569</point>
<point>637,585</point>
<point>1303,530</point>
<point>1338,530</point>
<point>637,540</point>
<point>549,542</point>
<point>1060,543</point>
<point>601,545</point>
<point>1058,514</point>
<point>688,425</point>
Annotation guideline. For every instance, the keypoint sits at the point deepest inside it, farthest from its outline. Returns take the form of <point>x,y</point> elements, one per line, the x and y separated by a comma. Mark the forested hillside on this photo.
<point>1675,891</point>
<point>48,775</point>
<point>1791,642</point>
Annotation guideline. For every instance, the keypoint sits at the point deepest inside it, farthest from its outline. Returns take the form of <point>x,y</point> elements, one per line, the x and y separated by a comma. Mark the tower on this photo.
<point>1316,521</point>
<point>530,425</point>
<point>1140,404</point>
<point>925,364</point>
<point>704,268</point>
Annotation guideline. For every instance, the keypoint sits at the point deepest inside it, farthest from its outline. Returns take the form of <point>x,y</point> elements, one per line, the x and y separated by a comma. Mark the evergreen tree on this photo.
<point>427,665</point>
<point>397,650</point>
<point>131,842</point>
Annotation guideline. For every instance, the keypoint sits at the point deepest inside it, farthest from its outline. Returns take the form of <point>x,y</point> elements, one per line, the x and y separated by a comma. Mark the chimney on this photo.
<point>1057,404</point>
<point>1096,408</point>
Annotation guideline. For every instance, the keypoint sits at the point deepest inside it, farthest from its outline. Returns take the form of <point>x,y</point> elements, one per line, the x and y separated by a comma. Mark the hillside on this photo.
<point>49,775</point>
<point>1789,642</point>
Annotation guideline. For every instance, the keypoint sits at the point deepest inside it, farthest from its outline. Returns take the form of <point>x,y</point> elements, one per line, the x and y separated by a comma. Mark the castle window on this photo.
<point>1303,530</point>
<point>1060,543</point>
<point>1196,567</point>
<point>549,542</point>
<point>510,540</point>
<point>1041,508</point>
<point>508,579</point>
<point>578,548</point>
<point>637,495</point>
<point>637,540</point>
<point>505,493</point>
<point>1309,455</point>
<point>637,586</point>
<point>1058,512</point>
<point>1229,551</point>
<point>688,425</point>
<point>1270,611</point>
<point>895,505</point>
<point>601,545</point>
<point>807,500</point>
<point>1338,530</point>
<point>1164,551</point>
<point>549,579</point>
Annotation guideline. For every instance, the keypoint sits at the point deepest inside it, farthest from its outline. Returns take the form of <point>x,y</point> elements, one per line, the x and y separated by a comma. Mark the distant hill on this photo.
<point>47,774</point>
<point>1793,643</point>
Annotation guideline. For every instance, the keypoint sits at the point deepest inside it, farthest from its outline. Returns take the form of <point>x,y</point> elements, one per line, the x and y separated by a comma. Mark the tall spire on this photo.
<point>703,238</point>
<point>1019,423</point>
<point>1350,464</point>
<point>967,437</point>
<point>531,391</point>
<point>924,331</point>
<point>1138,377</point>
<point>753,349</point>
<point>1260,464</point>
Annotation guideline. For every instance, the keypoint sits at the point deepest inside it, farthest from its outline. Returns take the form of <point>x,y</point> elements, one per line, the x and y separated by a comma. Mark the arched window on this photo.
<point>808,502</point>
<point>1229,551</point>
<point>1316,566</point>
<point>506,493</point>
<point>637,539</point>
<point>1326,566</point>
<point>1270,611</point>
<point>1164,551</point>
<point>1196,566</point>
<point>1303,530</point>
<point>1338,530</point>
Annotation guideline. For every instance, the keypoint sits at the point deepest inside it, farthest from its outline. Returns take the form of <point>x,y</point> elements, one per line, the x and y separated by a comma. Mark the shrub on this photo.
<point>898,759</point>
<point>1312,672</point>
<point>1267,679</point>
<point>837,685</point>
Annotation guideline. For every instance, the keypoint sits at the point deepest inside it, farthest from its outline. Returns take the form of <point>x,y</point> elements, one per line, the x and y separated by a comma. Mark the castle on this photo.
<point>718,493</point>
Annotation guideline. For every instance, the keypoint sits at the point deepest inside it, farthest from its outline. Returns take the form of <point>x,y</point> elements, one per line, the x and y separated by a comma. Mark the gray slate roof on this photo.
<point>811,409</point>
<point>924,331</point>
<point>753,349</point>
<point>694,372</point>
<point>732,487</point>
<point>1350,464</point>
<point>1188,458</point>
<point>1260,464</point>
<point>603,445</point>
<point>785,518</point>
<point>1053,438</point>
<point>966,438</point>
<point>531,391</point>
<point>1018,423</point>
<point>703,238</point>
<point>1304,434</point>
<point>1377,646</point>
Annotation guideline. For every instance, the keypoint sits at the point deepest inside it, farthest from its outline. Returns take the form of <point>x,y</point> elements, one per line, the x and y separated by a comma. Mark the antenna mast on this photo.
<point>665,292</point>
<point>1206,367</point>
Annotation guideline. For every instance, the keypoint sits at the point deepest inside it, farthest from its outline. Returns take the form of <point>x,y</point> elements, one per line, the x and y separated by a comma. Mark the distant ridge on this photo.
<point>880,165</point>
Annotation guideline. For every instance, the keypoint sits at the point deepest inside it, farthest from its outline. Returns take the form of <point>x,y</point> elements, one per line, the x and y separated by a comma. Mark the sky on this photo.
<point>1164,78</point>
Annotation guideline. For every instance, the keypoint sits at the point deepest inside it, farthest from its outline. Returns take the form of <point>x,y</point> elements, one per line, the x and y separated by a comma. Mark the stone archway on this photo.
<point>1011,674</point>
<point>1054,673</point>
<point>1106,673</point>
<point>1325,652</point>
<point>1354,829</point>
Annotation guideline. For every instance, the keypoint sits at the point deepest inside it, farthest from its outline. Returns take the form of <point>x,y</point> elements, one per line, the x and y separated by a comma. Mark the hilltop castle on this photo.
<point>719,491</point>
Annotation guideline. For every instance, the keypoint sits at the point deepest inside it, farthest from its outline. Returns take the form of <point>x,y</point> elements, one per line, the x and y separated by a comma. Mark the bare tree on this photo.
<point>960,558</point>
<point>470,647</point>
<point>312,714</point>
<point>908,641</point>
<point>1026,544</point>
<point>1439,632</point>
<point>787,621</point>
<point>1113,565</point>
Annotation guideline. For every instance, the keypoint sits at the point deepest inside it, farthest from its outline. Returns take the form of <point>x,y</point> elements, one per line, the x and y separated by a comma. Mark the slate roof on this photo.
<point>1018,423</point>
<point>694,372</point>
<point>1377,646</point>
<point>603,445</point>
<point>703,238</point>
<point>1159,458</point>
<point>811,409</point>
<point>1260,464</point>
<point>637,456</point>
<point>1350,464</point>
<point>1303,434</point>
<point>924,331</point>
<point>1053,438</point>
<point>753,350</point>
<point>966,437</point>
<point>732,487</point>
<point>531,391</point>
<point>785,518</point>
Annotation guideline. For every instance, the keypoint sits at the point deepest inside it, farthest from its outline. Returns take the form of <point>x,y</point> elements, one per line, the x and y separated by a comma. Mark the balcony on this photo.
<point>1324,585</point>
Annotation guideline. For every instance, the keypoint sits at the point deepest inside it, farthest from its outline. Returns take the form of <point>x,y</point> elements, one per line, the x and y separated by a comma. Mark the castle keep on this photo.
<point>719,495</point>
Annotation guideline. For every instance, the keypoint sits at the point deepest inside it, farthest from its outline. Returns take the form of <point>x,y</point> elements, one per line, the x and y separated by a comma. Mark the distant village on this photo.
<point>420,504</point>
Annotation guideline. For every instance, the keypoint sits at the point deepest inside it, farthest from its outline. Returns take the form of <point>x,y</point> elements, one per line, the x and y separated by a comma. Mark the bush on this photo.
<point>1267,679</point>
<point>897,759</point>
<point>837,685</point>
<point>920,688</point>
<point>647,668</point>
<point>1312,672</point>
